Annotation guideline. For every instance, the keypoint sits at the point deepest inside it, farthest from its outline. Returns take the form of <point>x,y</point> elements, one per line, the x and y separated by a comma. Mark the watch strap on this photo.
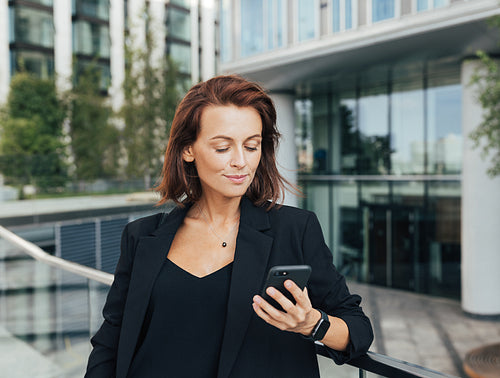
<point>321,328</point>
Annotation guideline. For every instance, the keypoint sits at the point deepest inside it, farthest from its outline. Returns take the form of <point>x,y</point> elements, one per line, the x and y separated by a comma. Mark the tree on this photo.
<point>31,142</point>
<point>94,140</point>
<point>487,134</point>
<point>151,95</point>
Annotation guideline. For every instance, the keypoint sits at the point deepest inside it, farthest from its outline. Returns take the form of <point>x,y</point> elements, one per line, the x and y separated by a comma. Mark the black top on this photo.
<point>184,325</point>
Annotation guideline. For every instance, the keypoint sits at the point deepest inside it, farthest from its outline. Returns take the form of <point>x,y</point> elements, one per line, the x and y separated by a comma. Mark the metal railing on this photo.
<point>373,363</point>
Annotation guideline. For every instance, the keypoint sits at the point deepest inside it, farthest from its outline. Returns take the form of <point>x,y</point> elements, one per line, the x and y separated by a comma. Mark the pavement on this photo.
<point>428,331</point>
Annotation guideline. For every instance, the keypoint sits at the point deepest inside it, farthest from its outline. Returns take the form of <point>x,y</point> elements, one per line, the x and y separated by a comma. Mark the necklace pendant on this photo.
<point>224,244</point>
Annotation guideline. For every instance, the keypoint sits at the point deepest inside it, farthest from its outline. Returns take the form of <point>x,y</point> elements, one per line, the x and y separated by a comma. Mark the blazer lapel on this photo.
<point>249,269</point>
<point>151,253</point>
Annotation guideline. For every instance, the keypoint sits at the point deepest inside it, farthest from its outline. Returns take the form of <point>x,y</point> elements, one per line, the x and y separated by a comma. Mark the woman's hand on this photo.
<point>300,317</point>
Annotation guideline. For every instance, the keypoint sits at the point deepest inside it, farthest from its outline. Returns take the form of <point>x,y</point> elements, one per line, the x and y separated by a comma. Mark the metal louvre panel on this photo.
<point>78,243</point>
<point>111,231</point>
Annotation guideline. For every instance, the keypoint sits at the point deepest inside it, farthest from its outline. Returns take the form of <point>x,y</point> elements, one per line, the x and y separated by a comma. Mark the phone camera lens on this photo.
<point>285,273</point>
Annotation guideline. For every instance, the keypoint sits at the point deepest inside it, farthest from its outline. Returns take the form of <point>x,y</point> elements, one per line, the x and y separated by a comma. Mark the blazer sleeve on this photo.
<point>102,359</point>
<point>328,291</point>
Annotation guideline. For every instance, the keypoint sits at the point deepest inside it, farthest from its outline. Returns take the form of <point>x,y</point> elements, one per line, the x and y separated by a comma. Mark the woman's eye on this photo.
<point>251,148</point>
<point>222,149</point>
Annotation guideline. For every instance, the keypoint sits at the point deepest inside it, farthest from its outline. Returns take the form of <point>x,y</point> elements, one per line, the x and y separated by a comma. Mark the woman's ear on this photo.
<point>187,155</point>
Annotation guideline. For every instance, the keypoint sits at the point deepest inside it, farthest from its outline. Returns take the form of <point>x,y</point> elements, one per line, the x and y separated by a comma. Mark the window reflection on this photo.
<point>225,31</point>
<point>252,27</point>
<point>92,8</point>
<point>38,63</point>
<point>407,129</point>
<point>374,148</point>
<point>181,54</point>
<point>91,39</point>
<point>179,24</point>
<point>307,15</point>
<point>445,129</point>
<point>382,10</point>
<point>33,26</point>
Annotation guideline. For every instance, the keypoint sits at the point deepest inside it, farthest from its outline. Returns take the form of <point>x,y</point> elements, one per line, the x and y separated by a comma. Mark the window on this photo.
<point>181,54</point>
<point>33,26</point>
<point>179,24</point>
<point>307,20</point>
<point>225,31</point>
<point>92,8</point>
<point>382,10</point>
<point>38,63</point>
<point>252,30</point>
<point>91,39</point>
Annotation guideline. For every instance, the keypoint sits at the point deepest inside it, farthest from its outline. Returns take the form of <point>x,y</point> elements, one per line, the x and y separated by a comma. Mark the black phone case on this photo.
<point>279,274</point>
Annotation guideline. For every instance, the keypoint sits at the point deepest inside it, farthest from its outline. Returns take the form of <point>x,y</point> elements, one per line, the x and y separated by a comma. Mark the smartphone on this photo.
<point>279,274</point>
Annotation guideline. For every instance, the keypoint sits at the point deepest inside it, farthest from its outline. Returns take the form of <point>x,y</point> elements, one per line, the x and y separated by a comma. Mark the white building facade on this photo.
<point>44,35</point>
<point>375,106</point>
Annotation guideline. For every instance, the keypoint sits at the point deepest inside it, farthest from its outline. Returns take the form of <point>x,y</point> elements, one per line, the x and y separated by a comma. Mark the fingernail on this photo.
<point>288,284</point>
<point>270,291</point>
<point>256,299</point>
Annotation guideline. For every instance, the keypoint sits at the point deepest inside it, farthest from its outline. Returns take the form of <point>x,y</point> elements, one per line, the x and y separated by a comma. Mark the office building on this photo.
<point>43,36</point>
<point>375,107</point>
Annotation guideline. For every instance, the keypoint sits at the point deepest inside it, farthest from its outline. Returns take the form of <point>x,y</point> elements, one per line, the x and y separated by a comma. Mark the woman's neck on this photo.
<point>220,210</point>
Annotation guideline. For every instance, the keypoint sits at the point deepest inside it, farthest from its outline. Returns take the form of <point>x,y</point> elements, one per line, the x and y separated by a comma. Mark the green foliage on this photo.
<point>151,95</point>
<point>31,150</point>
<point>487,135</point>
<point>94,141</point>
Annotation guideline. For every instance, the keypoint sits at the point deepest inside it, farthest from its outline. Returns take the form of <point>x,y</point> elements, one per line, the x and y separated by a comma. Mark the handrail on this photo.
<point>386,366</point>
<point>40,255</point>
<point>372,362</point>
<point>376,178</point>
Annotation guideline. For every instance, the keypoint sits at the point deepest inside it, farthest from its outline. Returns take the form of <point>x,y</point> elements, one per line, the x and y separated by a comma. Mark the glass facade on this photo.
<point>32,26</point>
<point>307,19</point>
<point>91,39</point>
<point>252,27</point>
<point>178,44</point>
<point>39,63</point>
<point>92,8</point>
<point>382,10</point>
<point>179,24</point>
<point>380,156</point>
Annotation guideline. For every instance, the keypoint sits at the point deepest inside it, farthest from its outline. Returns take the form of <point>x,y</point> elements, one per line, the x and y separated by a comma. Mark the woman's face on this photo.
<point>227,151</point>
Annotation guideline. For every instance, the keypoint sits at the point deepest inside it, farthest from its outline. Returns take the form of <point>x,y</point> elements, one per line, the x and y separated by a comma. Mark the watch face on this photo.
<point>322,327</point>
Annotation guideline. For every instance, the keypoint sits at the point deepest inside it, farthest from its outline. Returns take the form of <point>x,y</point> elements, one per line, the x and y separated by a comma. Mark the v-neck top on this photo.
<point>184,325</point>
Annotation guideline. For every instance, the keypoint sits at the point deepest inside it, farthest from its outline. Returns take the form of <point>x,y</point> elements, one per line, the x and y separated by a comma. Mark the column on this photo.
<point>158,31</point>
<point>195,42</point>
<point>4,51</point>
<point>287,151</point>
<point>117,58</point>
<point>63,46</point>
<point>207,39</point>
<point>480,214</point>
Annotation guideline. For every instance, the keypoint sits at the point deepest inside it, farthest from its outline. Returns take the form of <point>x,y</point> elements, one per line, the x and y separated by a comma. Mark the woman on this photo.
<point>185,300</point>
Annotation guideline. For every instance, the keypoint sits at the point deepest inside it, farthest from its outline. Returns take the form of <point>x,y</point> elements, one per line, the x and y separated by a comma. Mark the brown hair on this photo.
<point>179,179</point>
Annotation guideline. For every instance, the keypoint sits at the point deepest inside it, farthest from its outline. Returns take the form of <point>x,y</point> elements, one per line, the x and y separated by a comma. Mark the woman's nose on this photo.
<point>238,158</point>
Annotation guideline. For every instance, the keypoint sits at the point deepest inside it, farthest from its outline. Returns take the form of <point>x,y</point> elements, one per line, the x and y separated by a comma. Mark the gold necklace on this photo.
<point>205,218</point>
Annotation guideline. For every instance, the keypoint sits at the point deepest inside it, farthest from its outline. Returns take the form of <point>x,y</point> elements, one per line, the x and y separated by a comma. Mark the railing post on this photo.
<point>362,373</point>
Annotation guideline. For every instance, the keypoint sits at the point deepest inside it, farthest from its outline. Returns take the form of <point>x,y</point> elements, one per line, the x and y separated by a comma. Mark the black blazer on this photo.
<point>250,347</point>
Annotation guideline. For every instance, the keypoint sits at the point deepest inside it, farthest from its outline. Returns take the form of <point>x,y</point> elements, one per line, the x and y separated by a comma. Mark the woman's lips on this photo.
<point>237,179</point>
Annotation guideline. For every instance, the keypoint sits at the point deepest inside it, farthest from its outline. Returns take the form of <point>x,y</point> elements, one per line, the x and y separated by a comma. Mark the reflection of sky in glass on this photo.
<point>252,31</point>
<point>382,10</point>
<point>373,115</point>
<point>225,31</point>
<point>444,112</point>
<point>307,19</point>
<point>407,116</point>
